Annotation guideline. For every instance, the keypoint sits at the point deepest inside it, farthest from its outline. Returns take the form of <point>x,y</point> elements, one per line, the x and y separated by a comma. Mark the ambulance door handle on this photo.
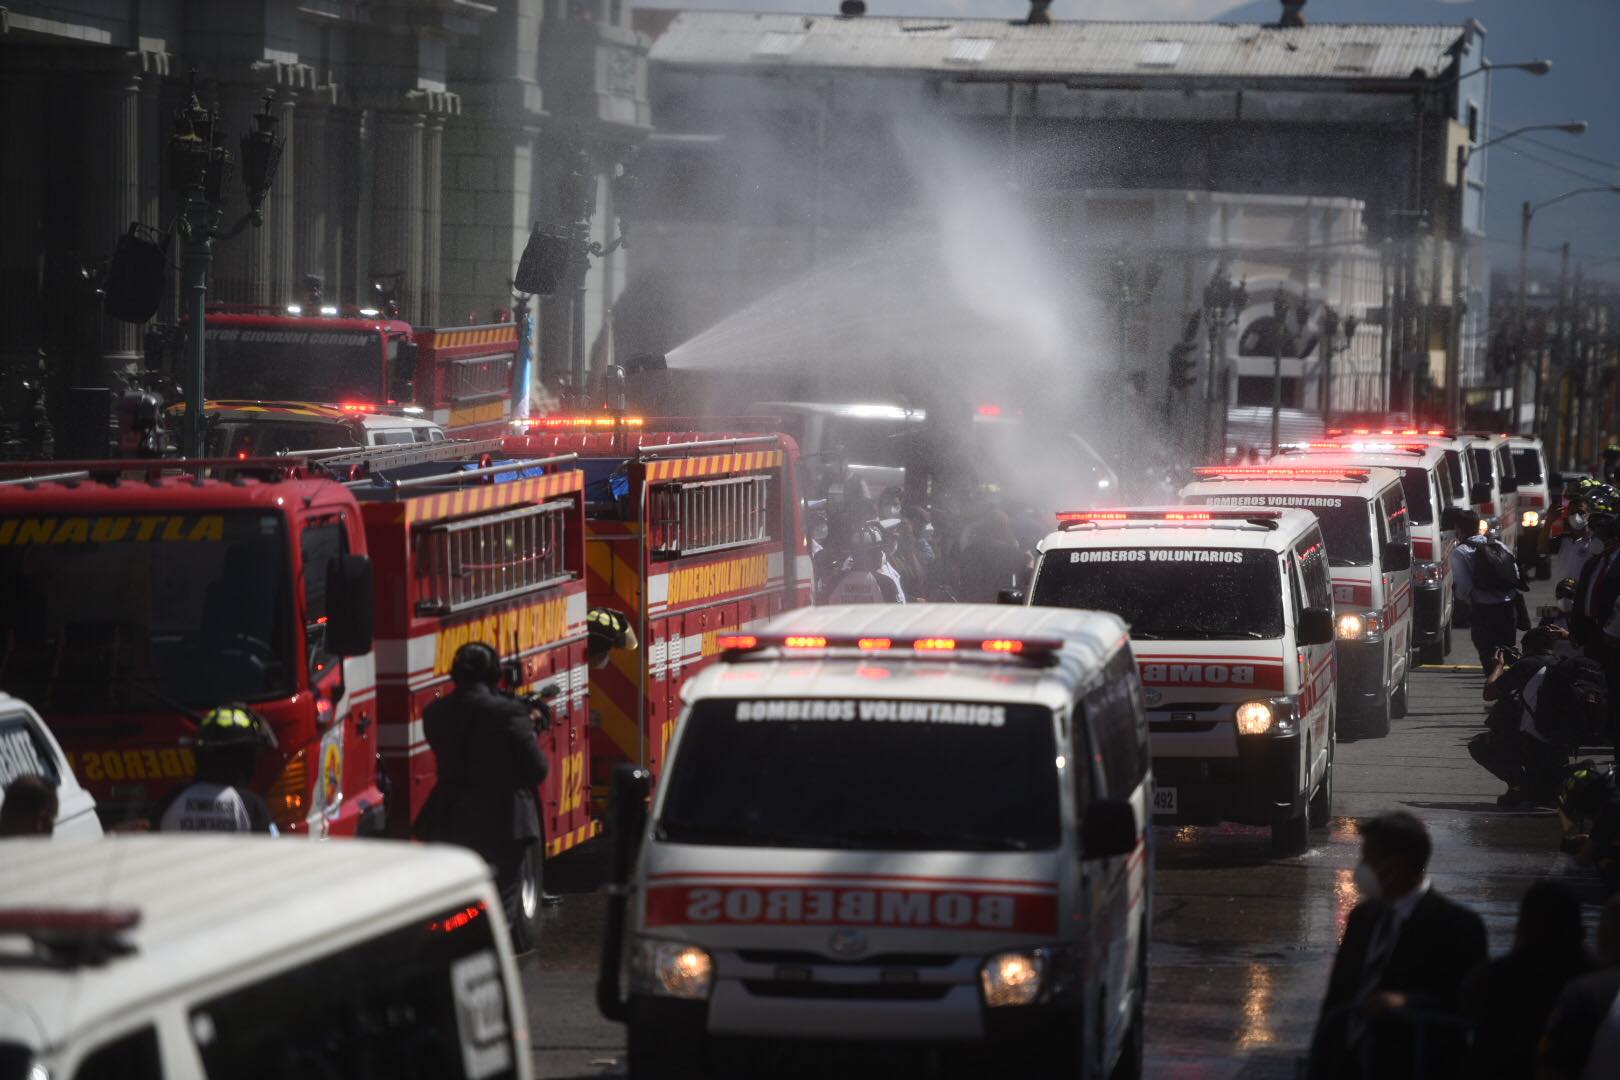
<point>362,724</point>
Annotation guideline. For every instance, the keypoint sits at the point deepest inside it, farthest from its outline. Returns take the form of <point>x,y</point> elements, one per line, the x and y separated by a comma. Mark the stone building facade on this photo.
<point>423,141</point>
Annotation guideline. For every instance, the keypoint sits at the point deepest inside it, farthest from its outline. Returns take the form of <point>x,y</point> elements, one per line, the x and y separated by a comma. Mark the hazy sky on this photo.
<point>1072,9</point>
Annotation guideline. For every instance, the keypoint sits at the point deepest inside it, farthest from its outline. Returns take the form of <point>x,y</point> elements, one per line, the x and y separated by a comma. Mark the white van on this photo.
<point>1495,475</point>
<point>917,829</point>
<point>1535,504</point>
<point>1426,479</point>
<point>1369,550</point>
<point>28,747</point>
<point>1231,617</point>
<point>186,957</point>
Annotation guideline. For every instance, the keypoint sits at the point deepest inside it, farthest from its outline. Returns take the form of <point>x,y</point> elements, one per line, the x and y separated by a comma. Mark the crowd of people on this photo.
<point>892,551</point>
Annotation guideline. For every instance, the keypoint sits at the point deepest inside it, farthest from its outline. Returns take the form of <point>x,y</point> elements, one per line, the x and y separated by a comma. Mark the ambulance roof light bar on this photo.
<point>1355,446</point>
<point>1042,649</point>
<point>1433,432</point>
<point>73,935</point>
<point>1278,472</point>
<point>1067,519</point>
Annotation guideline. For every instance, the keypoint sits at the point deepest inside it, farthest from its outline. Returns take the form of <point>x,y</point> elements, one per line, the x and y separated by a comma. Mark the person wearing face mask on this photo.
<point>1575,544</point>
<point>1405,952</point>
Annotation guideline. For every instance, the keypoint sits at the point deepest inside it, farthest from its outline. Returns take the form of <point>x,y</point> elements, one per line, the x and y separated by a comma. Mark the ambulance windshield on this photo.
<point>864,774</point>
<point>107,612</point>
<point>1346,525</point>
<point>257,364</point>
<point>1177,594</point>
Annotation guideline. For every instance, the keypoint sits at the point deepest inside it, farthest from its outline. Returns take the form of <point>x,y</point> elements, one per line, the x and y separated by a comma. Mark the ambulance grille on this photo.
<point>848,991</point>
<point>894,960</point>
<point>462,564</point>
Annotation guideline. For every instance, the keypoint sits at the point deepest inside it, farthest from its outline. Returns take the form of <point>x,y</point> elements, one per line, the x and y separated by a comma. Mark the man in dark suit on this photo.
<point>1594,620</point>
<point>1406,950</point>
<point>489,767</point>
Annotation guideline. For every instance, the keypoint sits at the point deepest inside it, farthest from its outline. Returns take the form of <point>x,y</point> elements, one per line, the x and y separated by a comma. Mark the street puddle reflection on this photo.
<point>1256,1010</point>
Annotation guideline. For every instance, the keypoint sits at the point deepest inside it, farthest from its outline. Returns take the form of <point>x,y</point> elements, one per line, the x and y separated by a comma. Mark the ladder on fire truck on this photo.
<point>703,516</point>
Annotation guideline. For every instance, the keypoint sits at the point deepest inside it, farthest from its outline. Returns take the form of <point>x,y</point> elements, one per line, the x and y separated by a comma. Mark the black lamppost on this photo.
<point>1224,302</point>
<point>200,166</point>
<point>1331,324</point>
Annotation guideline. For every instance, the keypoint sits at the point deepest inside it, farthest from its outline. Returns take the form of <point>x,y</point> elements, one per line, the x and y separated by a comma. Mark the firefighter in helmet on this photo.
<point>220,799</point>
<point>606,630</point>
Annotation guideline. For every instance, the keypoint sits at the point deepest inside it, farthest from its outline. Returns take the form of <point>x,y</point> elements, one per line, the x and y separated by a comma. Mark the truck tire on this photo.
<point>1397,696</point>
<point>1375,723</point>
<point>1320,809</point>
<point>531,887</point>
<point>1291,835</point>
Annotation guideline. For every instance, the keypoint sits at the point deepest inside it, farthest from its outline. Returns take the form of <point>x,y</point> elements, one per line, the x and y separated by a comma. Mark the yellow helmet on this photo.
<point>229,724</point>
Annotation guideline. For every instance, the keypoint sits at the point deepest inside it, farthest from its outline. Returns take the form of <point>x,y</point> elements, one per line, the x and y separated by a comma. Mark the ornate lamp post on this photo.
<point>1224,302</point>
<point>200,165</point>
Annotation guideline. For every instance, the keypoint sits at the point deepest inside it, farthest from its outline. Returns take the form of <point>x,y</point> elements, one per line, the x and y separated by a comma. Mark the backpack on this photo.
<point>1496,569</point>
<point>1573,704</point>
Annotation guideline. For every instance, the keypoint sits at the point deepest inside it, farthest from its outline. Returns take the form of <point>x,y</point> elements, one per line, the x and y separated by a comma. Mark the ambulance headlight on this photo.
<point>1426,575</point>
<point>1012,978</point>
<point>1272,717</point>
<point>671,969</point>
<point>1530,519</point>
<point>1361,626</point>
<point>1255,717</point>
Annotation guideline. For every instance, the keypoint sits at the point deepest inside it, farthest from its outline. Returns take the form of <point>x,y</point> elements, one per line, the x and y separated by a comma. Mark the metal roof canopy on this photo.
<point>1117,51</point>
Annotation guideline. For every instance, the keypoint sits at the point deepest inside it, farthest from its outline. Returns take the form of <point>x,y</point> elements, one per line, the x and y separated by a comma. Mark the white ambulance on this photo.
<point>1369,550</point>
<point>1426,480</point>
<point>892,833</point>
<point>192,957</point>
<point>1496,477</point>
<point>1535,504</point>
<point>1231,617</point>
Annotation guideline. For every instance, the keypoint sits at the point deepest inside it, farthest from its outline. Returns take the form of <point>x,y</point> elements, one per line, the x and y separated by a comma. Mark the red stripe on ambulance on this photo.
<point>793,905</point>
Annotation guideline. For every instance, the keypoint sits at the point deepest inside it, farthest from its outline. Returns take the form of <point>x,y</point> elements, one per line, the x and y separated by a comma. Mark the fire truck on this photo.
<point>459,377</point>
<point>136,595</point>
<point>693,531</point>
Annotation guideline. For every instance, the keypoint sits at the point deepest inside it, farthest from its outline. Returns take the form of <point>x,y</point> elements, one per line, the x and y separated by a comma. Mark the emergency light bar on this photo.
<point>1359,447</point>
<point>1093,517</point>
<point>357,407</point>
<point>578,422</point>
<point>1439,433</point>
<point>737,644</point>
<point>1254,472</point>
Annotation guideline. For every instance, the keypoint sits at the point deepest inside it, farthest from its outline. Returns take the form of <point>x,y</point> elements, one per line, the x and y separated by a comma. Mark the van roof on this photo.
<point>1142,530</point>
<point>1255,478</point>
<point>1089,639</point>
<point>211,909</point>
<point>1428,459</point>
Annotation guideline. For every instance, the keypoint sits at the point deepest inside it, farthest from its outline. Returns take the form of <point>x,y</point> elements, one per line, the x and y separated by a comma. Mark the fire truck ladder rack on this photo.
<point>47,478</point>
<point>379,459</point>
<point>474,561</point>
<point>710,515</point>
<point>454,478</point>
<point>649,452</point>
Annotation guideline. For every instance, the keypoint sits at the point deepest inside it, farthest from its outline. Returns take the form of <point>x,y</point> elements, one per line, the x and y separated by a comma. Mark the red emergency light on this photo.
<point>1251,472</point>
<point>42,922</point>
<point>1364,447</point>
<point>1089,517</point>
<point>357,407</point>
<point>581,422</point>
<point>1001,646</point>
<point>989,410</point>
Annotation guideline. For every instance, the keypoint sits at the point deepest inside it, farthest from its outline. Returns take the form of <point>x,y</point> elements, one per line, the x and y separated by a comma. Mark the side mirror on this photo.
<point>1316,626</point>
<point>402,380</point>
<point>1109,830</point>
<point>627,814</point>
<point>1480,493</point>
<point>1011,596</point>
<point>349,605</point>
<point>1397,556</point>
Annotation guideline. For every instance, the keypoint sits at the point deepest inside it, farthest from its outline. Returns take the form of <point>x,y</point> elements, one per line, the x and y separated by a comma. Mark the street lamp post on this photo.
<point>200,165</point>
<point>1526,213</point>
<point>1224,301</point>
<point>1459,307</point>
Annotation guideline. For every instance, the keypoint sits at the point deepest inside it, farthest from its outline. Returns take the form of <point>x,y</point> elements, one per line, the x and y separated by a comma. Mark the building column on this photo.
<point>309,180</point>
<point>396,216</point>
<point>116,155</point>
<point>432,220</point>
<point>282,207</point>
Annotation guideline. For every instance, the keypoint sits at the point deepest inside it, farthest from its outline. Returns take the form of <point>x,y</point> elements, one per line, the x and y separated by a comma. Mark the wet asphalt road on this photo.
<point>1242,941</point>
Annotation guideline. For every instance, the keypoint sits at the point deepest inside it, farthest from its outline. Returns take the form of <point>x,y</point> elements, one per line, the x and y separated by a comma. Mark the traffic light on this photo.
<point>1183,365</point>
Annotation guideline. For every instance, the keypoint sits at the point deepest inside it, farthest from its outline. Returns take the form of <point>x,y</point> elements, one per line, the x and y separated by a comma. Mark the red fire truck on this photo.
<point>460,377</point>
<point>693,530</point>
<point>136,595</point>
